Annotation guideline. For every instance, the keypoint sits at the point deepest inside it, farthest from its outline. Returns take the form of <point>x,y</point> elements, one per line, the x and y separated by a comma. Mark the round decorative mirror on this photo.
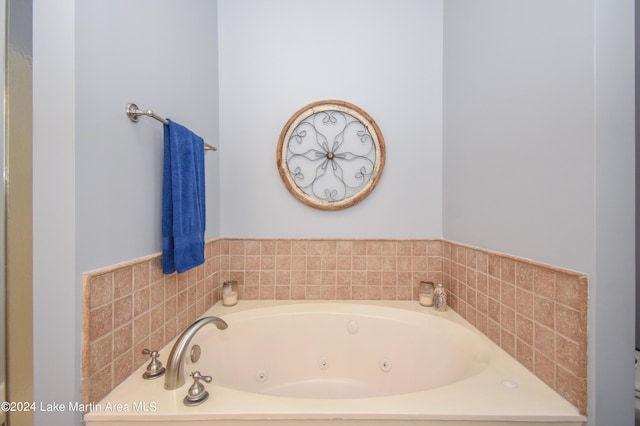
<point>330,155</point>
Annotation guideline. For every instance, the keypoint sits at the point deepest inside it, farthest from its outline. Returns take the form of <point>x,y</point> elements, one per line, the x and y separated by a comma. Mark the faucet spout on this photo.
<point>174,376</point>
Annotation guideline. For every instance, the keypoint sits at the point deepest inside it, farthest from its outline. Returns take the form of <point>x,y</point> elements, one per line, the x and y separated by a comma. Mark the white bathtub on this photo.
<point>370,363</point>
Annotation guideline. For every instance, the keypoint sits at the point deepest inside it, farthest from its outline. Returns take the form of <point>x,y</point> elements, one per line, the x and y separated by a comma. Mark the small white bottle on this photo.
<point>440,298</point>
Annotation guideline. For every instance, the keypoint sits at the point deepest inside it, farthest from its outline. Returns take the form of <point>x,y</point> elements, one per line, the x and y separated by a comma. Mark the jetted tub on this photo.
<point>369,363</point>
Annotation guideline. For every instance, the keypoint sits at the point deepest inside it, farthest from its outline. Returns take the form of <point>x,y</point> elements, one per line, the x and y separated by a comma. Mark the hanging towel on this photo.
<point>183,199</point>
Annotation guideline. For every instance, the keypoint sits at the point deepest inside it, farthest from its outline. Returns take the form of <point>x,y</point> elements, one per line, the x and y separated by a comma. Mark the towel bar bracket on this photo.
<point>134,113</point>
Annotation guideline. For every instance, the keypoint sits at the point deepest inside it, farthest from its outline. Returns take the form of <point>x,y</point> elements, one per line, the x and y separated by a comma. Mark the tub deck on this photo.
<point>483,399</point>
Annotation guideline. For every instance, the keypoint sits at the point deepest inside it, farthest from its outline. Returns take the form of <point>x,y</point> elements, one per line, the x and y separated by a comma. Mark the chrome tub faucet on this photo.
<point>174,376</point>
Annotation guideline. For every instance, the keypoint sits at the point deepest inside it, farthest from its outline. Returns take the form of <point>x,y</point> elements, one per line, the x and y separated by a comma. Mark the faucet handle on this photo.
<point>197,376</point>
<point>197,394</point>
<point>155,368</point>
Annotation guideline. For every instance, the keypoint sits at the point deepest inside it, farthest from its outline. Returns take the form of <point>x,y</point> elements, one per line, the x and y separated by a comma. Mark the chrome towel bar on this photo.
<point>134,113</point>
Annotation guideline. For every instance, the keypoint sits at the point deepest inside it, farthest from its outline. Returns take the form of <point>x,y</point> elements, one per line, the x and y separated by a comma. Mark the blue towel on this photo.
<point>183,199</point>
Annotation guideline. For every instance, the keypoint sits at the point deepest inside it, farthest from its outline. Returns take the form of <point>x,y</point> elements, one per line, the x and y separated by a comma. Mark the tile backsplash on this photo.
<point>330,269</point>
<point>535,312</point>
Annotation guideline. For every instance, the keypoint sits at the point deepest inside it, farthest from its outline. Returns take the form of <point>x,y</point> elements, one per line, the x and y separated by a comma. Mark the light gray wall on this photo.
<point>139,52</point>
<point>277,56</point>
<point>518,128</point>
<point>538,156</point>
<point>612,291</point>
<point>56,286</point>
<point>97,176</point>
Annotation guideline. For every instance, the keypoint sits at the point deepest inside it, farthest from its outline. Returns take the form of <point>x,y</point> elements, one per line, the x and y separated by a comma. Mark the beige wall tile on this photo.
<point>101,290</point>
<point>101,321</point>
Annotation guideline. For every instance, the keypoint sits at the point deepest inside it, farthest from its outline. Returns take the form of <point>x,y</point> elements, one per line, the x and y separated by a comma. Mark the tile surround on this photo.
<point>133,306</point>
<point>535,312</point>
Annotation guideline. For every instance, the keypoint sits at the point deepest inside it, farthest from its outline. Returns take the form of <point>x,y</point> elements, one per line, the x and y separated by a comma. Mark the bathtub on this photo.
<point>369,363</point>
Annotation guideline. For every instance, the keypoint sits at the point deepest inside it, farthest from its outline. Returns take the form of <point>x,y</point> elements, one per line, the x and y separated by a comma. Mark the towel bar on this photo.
<point>134,114</point>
